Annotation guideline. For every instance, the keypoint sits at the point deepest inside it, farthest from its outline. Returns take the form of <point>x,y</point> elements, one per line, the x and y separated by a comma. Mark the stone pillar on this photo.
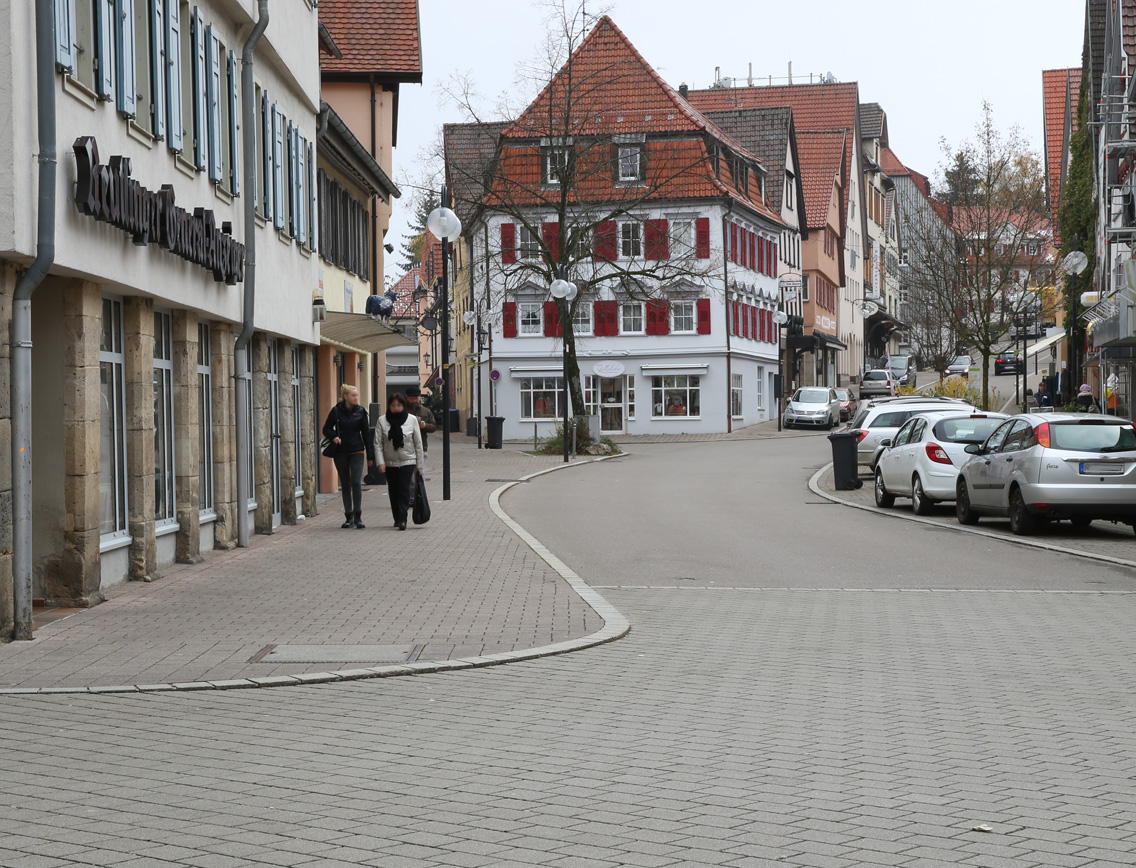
<point>7,600</point>
<point>138,342</point>
<point>262,433</point>
<point>309,413</point>
<point>187,437</point>
<point>288,481</point>
<point>223,366</point>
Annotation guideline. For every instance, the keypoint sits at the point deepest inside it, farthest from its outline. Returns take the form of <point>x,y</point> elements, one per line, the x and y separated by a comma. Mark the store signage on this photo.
<point>108,193</point>
<point>607,370</point>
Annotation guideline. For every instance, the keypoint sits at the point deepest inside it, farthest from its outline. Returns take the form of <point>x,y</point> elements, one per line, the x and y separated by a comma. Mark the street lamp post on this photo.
<point>780,318</point>
<point>564,291</point>
<point>446,227</point>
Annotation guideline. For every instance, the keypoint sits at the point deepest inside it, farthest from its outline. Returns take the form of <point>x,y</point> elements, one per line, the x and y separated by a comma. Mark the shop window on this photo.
<point>683,319</point>
<point>540,398</point>
<point>736,396</point>
<point>165,505</point>
<point>591,395</point>
<point>630,392</point>
<point>631,318</point>
<point>675,395</point>
<point>531,317</point>
<point>112,425</point>
<point>205,419</point>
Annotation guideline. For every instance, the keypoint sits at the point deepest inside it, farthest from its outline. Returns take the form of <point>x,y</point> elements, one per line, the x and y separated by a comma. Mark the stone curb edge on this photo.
<point>615,627</point>
<point>814,486</point>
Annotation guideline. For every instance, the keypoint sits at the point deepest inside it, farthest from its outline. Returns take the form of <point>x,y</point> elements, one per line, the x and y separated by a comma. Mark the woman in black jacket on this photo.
<point>347,427</point>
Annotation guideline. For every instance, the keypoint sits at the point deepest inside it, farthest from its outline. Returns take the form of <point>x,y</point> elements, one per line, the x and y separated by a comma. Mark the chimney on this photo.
<point>684,91</point>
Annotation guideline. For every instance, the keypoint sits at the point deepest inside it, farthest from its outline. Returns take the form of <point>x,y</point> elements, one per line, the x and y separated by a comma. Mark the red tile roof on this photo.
<point>827,106</point>
<point>1061,88</point>
<point>374,36</point>
<point>821,154</point>
<point>404,305</point>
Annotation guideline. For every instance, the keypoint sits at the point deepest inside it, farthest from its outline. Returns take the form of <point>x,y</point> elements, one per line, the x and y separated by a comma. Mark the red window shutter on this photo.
<point>702,239</point>
<point>754,326</point>
<point>774,269</point>
<point>509,245</point>
<point>509,318</point>
<point>551,234</point>
<point>598,319</point>
<point>745,320</point>
<point>752,251</point>
<point>649,326</point>
<point>704,309</point>
<point>737,317</point>
<point>657,245</point>
<point>604,241</point>
<point>761,255</point>
<point>658,317</point>
<point>733,242</point>
<point>552,327</point>
<point>606,323</point>
<point>761,325</point>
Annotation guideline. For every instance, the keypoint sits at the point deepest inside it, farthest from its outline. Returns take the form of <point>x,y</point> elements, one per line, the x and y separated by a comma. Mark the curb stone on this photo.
<point>1028,542</point>
<point>616,626</point>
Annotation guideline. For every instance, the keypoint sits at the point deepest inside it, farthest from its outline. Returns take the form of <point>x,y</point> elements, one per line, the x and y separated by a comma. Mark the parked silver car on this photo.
<point>877,382</point>
<point>922,461</point>
<point>1037,467</point>
<point>879,420</point>
<point>813,405</point>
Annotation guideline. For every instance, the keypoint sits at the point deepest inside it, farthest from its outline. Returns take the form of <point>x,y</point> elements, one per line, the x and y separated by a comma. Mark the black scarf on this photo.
<point>397,420</point>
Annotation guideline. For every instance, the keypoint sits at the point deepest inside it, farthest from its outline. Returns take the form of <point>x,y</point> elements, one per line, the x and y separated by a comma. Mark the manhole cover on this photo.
<point>372,654</point>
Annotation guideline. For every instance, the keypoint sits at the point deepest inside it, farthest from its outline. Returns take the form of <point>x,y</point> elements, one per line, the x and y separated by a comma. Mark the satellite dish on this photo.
<point>468,317</point>
<point>1075,262</point>
<point>868,307</point>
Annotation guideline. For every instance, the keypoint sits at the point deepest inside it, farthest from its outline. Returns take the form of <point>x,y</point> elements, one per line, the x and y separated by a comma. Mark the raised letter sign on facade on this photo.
<point>608,370</point>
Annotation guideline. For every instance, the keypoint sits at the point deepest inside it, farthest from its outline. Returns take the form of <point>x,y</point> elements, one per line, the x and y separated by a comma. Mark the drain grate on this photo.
<point>372,654</point>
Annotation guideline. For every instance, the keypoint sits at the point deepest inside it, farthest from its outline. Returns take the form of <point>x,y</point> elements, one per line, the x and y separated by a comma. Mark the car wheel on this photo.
<point>1081,521</point>
<point>883,499</point>
<point>963,511</point>
<point>1022,521</point>
<point>831,424</point>
<point>920,503</point>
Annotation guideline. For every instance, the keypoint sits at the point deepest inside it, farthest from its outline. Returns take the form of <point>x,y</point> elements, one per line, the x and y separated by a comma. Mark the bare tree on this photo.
<point>984,266</point>
<point>565,168</point>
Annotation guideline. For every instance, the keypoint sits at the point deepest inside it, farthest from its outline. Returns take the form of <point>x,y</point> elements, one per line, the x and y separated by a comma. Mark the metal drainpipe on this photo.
<point>248,121</point>
<point>22,322</point>
<point>729,317</point>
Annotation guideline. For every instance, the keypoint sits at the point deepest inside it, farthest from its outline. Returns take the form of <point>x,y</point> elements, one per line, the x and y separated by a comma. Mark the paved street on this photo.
<point>792,693</point>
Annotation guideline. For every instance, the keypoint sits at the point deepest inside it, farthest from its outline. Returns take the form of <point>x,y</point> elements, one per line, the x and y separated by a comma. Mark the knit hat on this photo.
<point>1084,388</point>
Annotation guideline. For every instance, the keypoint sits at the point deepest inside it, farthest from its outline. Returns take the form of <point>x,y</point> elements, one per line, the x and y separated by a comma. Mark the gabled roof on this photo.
<point>470,152</point>
<point>873,122</point>
<point>1060,90</point>
<point>338,145</point>
<point>404,305</point>
<point>1128,32</point>
<point>1096,15</point>
<point>821,106</point>
<point>379,37</point>
<point>763,132</point>
<point>891,164</point>
<point>822,155</point>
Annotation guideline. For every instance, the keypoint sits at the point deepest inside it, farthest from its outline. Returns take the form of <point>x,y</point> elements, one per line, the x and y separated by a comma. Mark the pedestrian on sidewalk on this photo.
<point>400,453</point>
<point>347,427</point>
<point>425,416</point>
<point>1043,398</point>
<point>1085,399</point>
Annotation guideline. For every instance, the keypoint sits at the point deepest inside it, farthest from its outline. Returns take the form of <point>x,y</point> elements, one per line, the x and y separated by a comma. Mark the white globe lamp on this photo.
<point>444,224</point>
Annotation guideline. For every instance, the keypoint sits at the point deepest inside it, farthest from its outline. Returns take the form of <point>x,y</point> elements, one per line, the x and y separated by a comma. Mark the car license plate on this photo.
<point>1101,468</point>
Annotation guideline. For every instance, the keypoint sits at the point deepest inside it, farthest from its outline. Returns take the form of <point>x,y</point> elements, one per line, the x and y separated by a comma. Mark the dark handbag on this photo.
<point>328,447</point>
<point>421,512</point>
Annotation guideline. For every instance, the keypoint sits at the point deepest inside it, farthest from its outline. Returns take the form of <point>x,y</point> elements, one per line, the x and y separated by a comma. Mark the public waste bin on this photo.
<point>455,420</point>
<point>494,429</point>
<point>844,471</point>
<point>471,426</point>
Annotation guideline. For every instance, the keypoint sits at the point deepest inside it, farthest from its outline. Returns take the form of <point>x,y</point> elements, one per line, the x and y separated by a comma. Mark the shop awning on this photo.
<point>816,340</point>
<point>360,333</point>
<point>1044,344</point>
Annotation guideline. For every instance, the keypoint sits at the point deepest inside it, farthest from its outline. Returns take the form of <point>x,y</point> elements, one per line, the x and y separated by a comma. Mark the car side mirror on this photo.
<point>973,448</point>
<point>886,442</point>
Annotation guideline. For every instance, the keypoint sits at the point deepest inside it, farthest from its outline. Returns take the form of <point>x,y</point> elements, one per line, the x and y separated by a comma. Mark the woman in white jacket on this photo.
<point>399,444</point>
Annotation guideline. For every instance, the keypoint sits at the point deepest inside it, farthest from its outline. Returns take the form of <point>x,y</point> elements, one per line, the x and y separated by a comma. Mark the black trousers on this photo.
<point>350,470</point>
<point>398,489</point>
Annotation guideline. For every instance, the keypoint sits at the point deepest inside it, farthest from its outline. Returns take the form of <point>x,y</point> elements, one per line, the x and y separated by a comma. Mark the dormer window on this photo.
<point>630,164</point>
<point>555,165</point>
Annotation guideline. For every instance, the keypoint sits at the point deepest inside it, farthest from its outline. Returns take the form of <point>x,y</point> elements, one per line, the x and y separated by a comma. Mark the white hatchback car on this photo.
<point>922,460</point>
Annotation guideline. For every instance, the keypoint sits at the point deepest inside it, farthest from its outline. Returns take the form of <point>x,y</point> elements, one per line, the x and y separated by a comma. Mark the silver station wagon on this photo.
<point>1040,467</point>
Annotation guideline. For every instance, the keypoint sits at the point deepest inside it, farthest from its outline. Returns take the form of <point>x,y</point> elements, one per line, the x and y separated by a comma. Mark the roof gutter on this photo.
<point>244,380</point>
<point>21,347</point>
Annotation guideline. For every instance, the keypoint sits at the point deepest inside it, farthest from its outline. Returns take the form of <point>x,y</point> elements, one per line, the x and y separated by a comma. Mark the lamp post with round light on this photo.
<point>564,291</point>
<point>446,227</point>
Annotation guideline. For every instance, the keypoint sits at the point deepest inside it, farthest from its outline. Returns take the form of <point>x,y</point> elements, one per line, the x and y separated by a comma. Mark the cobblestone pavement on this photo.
<point>826,725</point>
<point>1102,538</point>
<point>462,585</point>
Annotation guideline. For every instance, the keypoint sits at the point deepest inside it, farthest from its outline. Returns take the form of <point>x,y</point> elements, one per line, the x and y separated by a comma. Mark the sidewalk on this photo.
<point>758,431</point>
<point>463,585</point>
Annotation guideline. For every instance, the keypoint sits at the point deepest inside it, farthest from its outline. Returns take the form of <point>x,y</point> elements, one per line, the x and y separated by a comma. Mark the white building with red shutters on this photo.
<point>685,345</point>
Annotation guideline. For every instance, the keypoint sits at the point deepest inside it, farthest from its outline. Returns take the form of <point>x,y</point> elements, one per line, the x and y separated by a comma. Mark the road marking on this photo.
<point>862,590</point>
<point>814,485</point>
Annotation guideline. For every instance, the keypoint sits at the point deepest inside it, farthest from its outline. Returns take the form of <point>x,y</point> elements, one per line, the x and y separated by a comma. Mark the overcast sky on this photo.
<point>930,64</point>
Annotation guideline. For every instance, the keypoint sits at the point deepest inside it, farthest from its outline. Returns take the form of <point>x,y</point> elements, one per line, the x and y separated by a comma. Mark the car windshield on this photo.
<point>898,363</point>
<point>876,375</point>
<point>966,429</point>
<point>811,396</point>
<point>842,394</point>
<point>962,360</point>
<point>1093,436</point>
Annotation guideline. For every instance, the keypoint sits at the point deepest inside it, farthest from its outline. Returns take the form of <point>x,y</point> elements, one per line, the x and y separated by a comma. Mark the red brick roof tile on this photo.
<point>374,36</point>
<point>821,154</point>
<point>1061,88</point>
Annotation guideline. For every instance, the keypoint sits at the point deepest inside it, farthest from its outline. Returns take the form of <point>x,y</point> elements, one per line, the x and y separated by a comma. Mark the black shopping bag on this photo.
<point>421,512</point>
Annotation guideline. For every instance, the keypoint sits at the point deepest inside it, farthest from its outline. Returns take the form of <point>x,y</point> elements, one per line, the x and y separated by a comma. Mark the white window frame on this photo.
<point>630,239</point>
<point>555,162</point>
<point>637,312</point>
<point>591,395</point>
<point>206,506</point>
<point>582,319</point>
<point>684,323</point>
<point>624,162</point>
<point>165,476</point>
<point>528,243</point>
<point>530,319</point>
<point>297,423</point>
<point>682,238</point>
<point>629,396</point>
<point>759,394</point>
<point>790,182</point>
<point>532,386</point>
<point>118,529</point>
<point>737,395</point>
<point>687,383</point>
